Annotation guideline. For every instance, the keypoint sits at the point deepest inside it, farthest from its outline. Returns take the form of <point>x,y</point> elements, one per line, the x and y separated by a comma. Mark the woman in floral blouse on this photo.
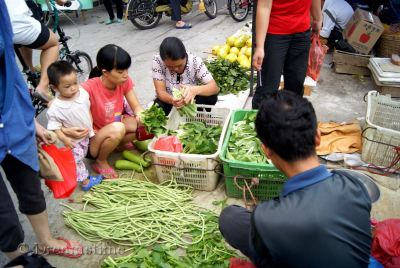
<point>175,68</point>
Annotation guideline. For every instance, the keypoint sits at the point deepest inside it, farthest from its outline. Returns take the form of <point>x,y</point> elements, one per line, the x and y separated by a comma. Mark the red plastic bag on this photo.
<point>169,144</point>
<point>65,161</point>
<point>386,243</point>
<point>240,263</point>
<point>142,134</point>
<point>316,57</point>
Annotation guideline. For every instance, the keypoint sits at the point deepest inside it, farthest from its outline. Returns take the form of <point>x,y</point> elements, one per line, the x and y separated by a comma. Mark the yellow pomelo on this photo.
<point>248,52</point>
<point>231,57</point>
<point>231,40</point>
<point>215,50</point>
<point>234,50</point>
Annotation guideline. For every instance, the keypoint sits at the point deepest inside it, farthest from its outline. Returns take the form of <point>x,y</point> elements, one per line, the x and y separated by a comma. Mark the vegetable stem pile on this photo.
<point>244,144</point>
<point>197,138</point>
<point>229,76</point>
<point>137,213</point>
<point>210,252</point>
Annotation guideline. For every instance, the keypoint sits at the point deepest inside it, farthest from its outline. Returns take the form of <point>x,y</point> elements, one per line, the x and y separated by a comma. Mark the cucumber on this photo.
<point>128,155</point>
<point>142,145</point>
<point>128,165</point>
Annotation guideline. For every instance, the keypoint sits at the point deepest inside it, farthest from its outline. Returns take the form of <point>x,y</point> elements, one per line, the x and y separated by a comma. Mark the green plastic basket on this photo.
<point>271,180</point>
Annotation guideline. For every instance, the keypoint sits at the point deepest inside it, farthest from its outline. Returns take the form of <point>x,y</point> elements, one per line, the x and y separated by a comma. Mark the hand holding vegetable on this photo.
<point>188,93</point>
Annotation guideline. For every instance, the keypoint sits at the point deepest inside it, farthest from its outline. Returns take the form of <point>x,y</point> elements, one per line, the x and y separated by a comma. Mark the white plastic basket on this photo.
<point>198,171</point>
<point>381,135</point>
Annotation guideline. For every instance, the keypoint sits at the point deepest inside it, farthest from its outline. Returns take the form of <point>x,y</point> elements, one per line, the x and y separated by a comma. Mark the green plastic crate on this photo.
<point>271,180</point>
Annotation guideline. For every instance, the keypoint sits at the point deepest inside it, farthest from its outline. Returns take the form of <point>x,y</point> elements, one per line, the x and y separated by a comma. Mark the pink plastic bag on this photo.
<point>386,243</point>
<point>169,144</point>
<point>316,57</point>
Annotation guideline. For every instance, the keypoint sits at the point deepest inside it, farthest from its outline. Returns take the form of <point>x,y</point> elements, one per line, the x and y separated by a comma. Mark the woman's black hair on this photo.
<point>112,57</point>
<point>172,48</point>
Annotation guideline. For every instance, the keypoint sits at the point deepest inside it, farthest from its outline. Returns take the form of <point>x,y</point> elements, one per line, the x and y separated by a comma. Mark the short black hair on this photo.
<point>113,57</point>
<point>286,123</point>
<point>172,48</point>
<point>58,69</point>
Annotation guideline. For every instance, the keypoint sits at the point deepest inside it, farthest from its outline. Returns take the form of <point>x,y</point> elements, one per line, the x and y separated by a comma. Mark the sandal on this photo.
<point>93,180</point>
<point>77,251</point>
<point>184,26</point>
<point>108,173</point>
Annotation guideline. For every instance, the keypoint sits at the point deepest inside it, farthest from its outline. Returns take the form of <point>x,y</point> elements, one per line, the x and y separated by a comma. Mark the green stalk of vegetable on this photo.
<point>244,144</point>
<point>190,109</point>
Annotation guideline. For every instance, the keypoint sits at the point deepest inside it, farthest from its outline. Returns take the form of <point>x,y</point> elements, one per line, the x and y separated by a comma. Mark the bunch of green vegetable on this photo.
<point>244,144</point>
<point>190,109</point>
<point>154,119</point>
<point>210,252</point>
<point>132,161</point>
<point>229,76</point>
<point>137,213</point>
<point>197,138</point>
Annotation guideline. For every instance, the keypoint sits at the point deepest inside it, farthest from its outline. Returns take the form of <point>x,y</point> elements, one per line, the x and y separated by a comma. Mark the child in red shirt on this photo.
<point>106,95</point>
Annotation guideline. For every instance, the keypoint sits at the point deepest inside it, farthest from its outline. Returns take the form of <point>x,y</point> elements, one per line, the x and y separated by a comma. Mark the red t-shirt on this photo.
<point>106,105</point>
<point>289,16</point>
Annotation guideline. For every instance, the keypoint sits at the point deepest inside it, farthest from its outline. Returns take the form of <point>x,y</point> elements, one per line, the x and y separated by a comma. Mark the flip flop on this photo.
<point>77,251</point>
<point>184,26</point>
<point>108,173</point>
<point>93,180</point>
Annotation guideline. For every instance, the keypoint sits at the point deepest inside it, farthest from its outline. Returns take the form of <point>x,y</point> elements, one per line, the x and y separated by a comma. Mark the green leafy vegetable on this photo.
<point>197,138</point>
<point>190,109</point>
<point>229,76</point>
<point>154,119</point>
<point>243,144</point>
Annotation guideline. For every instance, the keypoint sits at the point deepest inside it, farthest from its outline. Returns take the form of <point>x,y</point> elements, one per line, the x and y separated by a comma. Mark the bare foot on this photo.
<point>103,168</point>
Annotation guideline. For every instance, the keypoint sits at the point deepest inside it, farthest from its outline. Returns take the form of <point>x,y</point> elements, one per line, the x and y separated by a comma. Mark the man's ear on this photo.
<point>266,151</point>
<point>317,138</point>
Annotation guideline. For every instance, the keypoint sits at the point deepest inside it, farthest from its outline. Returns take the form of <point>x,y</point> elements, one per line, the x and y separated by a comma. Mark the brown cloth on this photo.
<point>339,138</point>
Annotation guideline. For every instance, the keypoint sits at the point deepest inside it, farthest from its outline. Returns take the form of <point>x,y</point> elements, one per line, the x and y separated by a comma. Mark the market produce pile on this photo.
<point>197,138</point>
<point>236,49</point>
<point>229,76</point>
<point>139,214</point>
<point>244,144</point>
<point>154,119</point>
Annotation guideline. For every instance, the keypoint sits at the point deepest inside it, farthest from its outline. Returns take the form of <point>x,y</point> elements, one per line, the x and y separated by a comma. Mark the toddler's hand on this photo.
<point>68,143</point>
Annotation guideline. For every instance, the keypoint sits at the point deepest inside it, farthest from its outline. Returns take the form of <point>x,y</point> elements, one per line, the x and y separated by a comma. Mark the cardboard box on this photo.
<point>351,63</point>
<point>363,30</point>
<point>309,84</point>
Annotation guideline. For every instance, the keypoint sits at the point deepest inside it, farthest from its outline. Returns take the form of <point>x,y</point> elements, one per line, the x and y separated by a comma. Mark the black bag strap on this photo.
<point>333,19</point>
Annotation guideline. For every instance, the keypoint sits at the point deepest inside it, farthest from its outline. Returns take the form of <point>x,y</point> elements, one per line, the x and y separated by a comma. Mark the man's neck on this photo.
<point>291,169</point>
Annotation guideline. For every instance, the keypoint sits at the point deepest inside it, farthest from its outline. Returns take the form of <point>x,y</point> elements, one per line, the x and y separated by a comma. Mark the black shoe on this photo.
<point>30,260</point>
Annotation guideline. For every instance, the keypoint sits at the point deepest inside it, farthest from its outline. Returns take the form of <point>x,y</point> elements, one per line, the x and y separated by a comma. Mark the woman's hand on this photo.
<point>189,93</point>
<point>43,135</point>
<point>75,132</point>
<point>68,142</point>
<point>258,58</point>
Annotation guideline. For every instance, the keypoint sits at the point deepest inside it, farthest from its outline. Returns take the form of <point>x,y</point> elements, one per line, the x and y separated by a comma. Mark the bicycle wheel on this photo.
<point>211,8</point>
<point>238,9</point>
<point>82,63</point>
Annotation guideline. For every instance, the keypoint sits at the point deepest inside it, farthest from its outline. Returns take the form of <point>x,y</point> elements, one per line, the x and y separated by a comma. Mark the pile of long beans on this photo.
<point>137,213</point>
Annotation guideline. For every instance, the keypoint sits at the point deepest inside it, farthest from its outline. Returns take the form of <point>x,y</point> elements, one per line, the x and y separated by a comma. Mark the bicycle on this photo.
<point>80,60</point>
<point>239,9</point>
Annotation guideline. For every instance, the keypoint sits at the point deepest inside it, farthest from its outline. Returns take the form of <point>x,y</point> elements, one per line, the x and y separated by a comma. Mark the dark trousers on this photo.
<point>176,10</point>
<point>235,227</point>
<point>26,185</point>
<point>119,6</point>
<point>287,54</point>
<point>208,100</point>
